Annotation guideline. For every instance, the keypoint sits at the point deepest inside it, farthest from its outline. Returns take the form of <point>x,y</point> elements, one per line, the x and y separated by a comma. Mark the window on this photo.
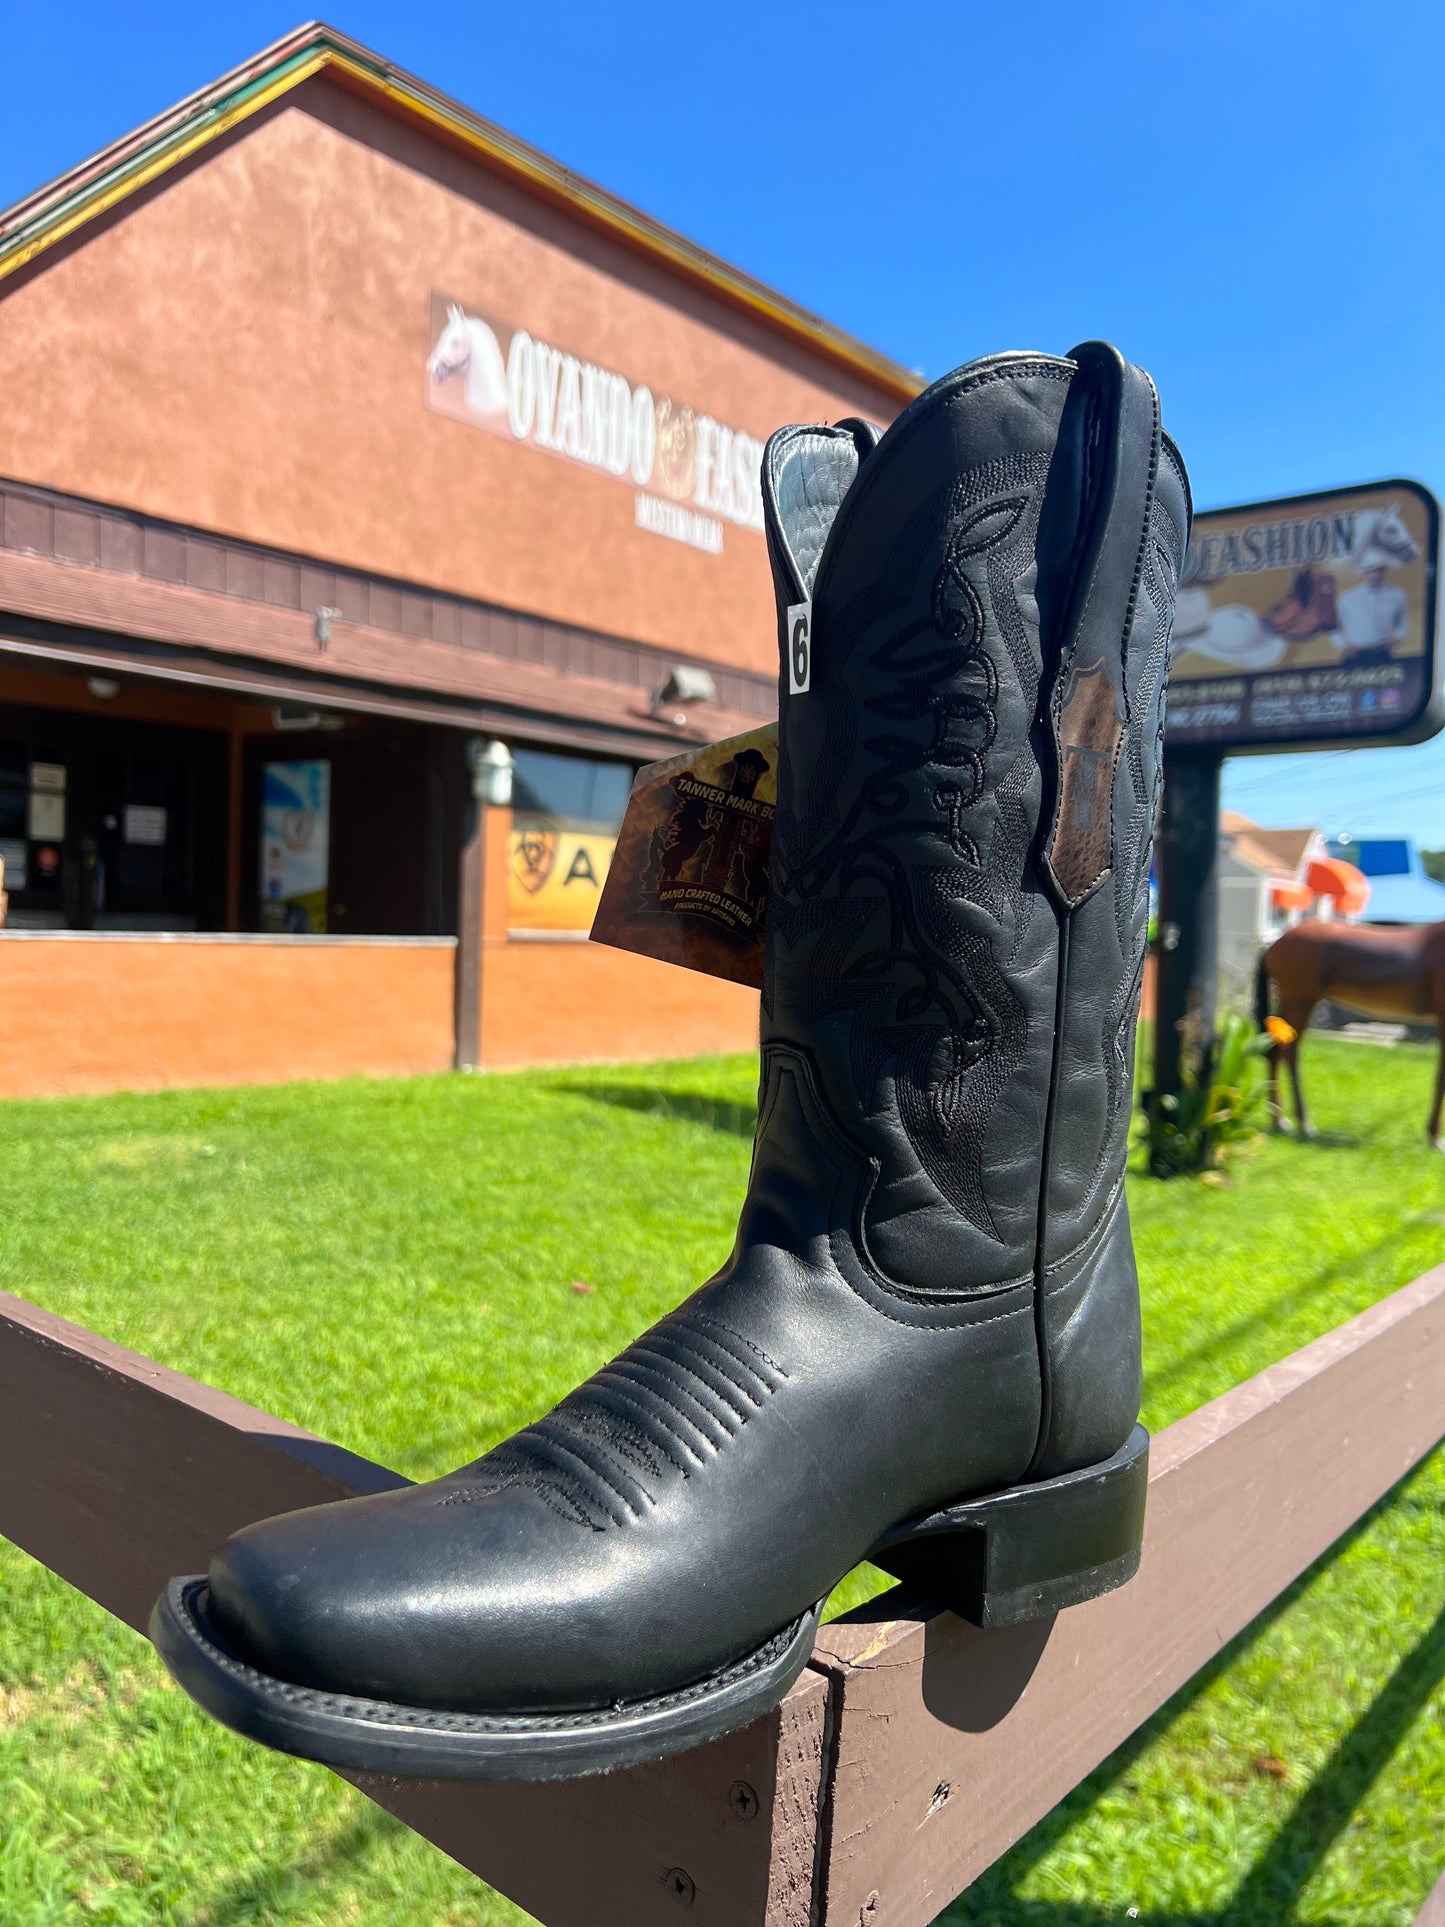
<point>566,812</point>
<point>573,789</point>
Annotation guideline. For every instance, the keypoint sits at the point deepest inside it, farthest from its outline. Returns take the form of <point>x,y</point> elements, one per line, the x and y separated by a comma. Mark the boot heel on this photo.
<point>1021,1554</point>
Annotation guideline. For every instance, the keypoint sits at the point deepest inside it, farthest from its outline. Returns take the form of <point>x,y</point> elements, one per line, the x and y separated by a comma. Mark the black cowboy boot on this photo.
<point>925,1347</point>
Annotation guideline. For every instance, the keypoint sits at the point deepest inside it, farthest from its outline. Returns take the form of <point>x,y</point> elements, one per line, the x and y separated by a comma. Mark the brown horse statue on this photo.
<point>1394,971</point>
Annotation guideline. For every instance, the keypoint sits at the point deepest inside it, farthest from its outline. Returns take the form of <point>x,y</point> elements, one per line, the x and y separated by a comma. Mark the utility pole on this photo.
<point>1187,955</point>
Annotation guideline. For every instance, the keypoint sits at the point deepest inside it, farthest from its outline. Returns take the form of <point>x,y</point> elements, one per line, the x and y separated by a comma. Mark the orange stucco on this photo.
<point>106,1013</point>
<point>242,346</point>
<point>559,1003</point>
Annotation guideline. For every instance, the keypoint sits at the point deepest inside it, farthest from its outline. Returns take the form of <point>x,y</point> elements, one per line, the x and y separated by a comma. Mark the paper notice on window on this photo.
<point>45,818</point>
<point>145,823</point>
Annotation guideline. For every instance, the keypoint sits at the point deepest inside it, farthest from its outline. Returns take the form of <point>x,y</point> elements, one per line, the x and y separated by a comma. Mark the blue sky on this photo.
<point>1245,197</point>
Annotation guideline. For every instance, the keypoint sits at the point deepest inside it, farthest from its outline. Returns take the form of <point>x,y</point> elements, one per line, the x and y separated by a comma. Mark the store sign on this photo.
<point>691,475</point>
<point>295,846</point>
<point>556,875</point>
<point>1309,620</point>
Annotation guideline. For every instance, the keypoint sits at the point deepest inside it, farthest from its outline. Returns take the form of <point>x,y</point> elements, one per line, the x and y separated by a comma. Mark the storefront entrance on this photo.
<point>111,824</point>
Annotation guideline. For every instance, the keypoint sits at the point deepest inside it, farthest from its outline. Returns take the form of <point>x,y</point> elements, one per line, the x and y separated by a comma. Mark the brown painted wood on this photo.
<point>937,1746</point>
<point>1432,1914</point>
<point>951,1743</point>
<point>109,607</point>
<point>118,1473</point>
<point>44,523</point>
<point>471,896</point>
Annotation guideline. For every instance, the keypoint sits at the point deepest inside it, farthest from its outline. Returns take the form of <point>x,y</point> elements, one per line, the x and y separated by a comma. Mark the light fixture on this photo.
<point>325,616</point>
<point>685,684</point>
<point>103,688</point>
<point>491,765</point>
<point>288,716</point>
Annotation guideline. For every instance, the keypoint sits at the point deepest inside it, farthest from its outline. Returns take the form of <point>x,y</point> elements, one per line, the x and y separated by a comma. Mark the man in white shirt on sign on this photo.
<point>1373,616</point>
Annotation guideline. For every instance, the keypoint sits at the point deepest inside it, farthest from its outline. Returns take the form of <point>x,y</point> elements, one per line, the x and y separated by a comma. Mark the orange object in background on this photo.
<point>1291,896</point>
<point>1347,887</point>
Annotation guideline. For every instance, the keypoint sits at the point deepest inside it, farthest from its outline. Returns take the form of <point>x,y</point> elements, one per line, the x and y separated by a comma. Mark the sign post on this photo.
<point>1304,623</point>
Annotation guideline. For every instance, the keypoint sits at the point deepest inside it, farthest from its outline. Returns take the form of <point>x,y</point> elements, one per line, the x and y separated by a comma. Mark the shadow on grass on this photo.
<point>1263,1317</point>
<point>278,1882</point>
<point>718,1113</point>
<point>1269,1891</point>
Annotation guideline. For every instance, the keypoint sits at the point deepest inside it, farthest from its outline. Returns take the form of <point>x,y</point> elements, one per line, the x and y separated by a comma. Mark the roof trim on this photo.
<point>91,189</point>
<point>264,682</point>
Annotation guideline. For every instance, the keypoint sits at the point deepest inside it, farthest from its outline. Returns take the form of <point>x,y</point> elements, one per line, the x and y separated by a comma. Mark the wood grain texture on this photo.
<point>118,1473</point>
<point>951,1742</point>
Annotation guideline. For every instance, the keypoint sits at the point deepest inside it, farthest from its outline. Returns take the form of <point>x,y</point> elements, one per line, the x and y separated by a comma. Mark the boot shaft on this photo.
<point>967,788</point>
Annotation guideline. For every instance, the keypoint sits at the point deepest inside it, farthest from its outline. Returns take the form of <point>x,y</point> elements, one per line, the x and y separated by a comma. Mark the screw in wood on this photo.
<point>743,1800</point>
<point>678,1883</point>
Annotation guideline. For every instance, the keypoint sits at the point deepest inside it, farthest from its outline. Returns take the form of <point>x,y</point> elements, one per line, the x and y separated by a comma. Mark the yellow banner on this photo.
<point>556,874</point>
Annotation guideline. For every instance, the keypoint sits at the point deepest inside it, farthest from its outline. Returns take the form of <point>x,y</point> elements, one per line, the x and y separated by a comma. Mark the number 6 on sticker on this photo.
<point>800,648</point>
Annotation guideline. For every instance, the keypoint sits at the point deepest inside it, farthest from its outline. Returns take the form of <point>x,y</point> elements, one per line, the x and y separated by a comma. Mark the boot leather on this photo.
<point>932,1293</point>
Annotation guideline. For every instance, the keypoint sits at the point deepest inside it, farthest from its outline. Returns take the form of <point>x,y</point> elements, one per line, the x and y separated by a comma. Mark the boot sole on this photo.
<point>1013,1556</point>
<point>1032,1550</point>
<point>418,1742</point>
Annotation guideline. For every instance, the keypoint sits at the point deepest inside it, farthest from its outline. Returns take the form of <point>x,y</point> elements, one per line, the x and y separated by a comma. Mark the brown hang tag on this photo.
<point>1089,733</point>
<point>688,880</point>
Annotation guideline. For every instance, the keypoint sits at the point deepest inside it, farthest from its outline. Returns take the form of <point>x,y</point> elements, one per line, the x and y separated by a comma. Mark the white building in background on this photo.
<point>1269,879</point>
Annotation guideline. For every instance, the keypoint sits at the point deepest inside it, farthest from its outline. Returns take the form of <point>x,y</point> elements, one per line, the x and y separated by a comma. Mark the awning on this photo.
<point>1349,888</point>
<point>1291,896</point>
<point>628,731</point>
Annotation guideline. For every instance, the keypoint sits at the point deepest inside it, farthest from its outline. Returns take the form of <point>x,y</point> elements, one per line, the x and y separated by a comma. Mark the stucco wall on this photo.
<point>558,1003</point>
<point>242,346</point>
<point>102,1013</point>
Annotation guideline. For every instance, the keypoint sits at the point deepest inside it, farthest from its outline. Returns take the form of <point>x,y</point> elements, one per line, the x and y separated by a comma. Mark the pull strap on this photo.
<point>1090,708</point>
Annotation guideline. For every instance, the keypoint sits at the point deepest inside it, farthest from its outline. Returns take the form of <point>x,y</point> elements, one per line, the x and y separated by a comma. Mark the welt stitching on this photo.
<point>603,1429</point>
<point>646,1389</point>
<point>707,1318</point>
<point>1095,1232</point>
<point>692,1366</point>
<point>802,1064</point>
<point>557,1447</point>
<point>753,1399</point>
<point>630,1398</point>
<point>648,1360</point>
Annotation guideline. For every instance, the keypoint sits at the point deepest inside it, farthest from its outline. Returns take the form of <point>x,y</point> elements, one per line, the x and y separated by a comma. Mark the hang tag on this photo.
<point>800,648</point>
<point>688,880</point>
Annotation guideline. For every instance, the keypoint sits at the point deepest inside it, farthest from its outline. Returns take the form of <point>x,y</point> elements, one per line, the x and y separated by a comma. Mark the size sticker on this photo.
<point>800,648</point>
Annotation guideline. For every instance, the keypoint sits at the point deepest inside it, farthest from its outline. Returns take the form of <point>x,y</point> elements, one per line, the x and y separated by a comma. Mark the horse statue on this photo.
<point>467,346</point>
<point>1391,971</point>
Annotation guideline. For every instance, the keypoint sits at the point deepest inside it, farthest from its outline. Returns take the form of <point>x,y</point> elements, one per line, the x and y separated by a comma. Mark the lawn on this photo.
<point>416,1268</point>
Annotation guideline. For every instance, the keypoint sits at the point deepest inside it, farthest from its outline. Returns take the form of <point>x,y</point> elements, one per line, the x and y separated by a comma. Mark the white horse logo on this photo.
<point>1386,536</point>
<point>467,346</point>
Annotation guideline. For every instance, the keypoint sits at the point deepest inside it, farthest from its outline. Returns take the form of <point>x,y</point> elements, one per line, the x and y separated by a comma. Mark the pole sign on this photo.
<point>1309,622</point>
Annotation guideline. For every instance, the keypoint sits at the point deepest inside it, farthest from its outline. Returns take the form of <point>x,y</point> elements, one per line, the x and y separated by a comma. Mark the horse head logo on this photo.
<point>467,346</point>
<point>1386,536</point>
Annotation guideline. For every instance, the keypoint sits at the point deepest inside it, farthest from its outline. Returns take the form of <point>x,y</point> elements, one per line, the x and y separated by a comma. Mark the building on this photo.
<point>347,438</point>
<point>1269,879</point>
<point>1400,890</point>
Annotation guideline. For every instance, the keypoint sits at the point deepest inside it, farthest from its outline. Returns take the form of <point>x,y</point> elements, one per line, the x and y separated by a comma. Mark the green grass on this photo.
<point>392,1265</point>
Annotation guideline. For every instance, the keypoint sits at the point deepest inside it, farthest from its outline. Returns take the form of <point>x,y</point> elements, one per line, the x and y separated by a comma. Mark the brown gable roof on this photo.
<point>1274,853</point>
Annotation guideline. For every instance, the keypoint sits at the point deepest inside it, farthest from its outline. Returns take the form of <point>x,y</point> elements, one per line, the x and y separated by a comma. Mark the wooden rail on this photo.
<point>911,1753</point>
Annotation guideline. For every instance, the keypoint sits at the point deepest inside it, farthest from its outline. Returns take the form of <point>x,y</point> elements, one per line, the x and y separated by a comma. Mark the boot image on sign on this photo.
<point>924,1349</point>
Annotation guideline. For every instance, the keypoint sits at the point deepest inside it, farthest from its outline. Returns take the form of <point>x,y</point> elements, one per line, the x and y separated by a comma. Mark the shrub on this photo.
<point>1214,1113</point>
